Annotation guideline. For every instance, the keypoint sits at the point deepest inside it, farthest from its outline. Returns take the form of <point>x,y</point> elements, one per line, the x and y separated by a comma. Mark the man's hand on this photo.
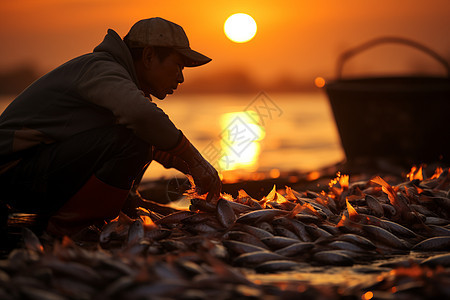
<point>205,177</point>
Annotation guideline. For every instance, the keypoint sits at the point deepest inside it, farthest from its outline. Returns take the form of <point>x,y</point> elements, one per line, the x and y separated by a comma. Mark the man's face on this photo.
<point>159,78</point>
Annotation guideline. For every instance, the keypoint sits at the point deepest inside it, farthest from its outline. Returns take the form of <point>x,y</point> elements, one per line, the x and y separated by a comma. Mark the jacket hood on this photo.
<point>114,45</point>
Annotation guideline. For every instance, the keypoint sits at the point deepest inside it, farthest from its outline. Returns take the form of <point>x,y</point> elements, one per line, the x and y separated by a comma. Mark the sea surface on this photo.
<point>272,133</point>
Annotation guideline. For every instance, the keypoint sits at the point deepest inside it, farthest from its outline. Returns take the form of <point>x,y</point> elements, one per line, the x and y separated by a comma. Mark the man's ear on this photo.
<point>147,56</point>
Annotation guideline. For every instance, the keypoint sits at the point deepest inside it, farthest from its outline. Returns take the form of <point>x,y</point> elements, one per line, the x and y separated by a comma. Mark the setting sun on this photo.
<point>240,28</point>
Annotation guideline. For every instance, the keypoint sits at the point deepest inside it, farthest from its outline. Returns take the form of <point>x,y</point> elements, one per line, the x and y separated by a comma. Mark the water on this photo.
<point>299,130</point>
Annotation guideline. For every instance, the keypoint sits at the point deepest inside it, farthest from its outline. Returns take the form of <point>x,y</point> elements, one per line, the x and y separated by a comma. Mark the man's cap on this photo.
<point>163,33</point>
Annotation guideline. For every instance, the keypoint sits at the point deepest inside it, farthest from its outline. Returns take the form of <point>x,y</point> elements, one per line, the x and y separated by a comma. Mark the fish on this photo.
<point>74,270</point>
<point>397,229</point>
<point>332,257</point>
<point>374,205</point>
<point>277,242</point>
<point>255,258</point>
<point>246,237</point>
<point>157,234</point>
<point>317,232</point>
<point>295,226</point>
<point>225,213</point>
<point>173,245</point>
<point>115,229</point>
<point>436,221</point>
<point>389,210</point>
<point>295,249</point>
<point>274,266</point>
<point>31,241</point>
<point>256,231</point>
<point>238,248</point>
<point>358,240</point>
<point>385,237</point>
<point>439,230</point>
<point>266,226</point>
<point>343,245</point>
<point>202,205</point>
<point>439,243</point>
<point>282,231</point>
<point>200,228</point>
<point>136,232</point>
<point>175,217</point>
<point>261,215</point>
<point>442,260</point>
<point>307,218</point>
<point>199,217</point>
<point>239,208</point>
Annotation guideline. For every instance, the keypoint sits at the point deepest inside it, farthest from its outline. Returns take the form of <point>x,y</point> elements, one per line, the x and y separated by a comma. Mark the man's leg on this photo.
<point>57,177</point>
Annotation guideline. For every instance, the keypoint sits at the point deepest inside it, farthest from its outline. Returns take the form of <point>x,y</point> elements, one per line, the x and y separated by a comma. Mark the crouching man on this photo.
<point>75,141</point>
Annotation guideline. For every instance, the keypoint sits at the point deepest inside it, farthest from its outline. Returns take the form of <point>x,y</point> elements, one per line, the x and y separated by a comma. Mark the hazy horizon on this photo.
<point>296,40</point>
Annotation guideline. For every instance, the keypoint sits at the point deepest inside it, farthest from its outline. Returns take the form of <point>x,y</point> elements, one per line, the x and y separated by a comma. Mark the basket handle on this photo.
<point>353,51</point>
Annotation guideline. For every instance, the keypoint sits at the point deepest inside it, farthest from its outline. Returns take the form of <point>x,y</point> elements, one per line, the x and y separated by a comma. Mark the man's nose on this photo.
<point>180,77</point>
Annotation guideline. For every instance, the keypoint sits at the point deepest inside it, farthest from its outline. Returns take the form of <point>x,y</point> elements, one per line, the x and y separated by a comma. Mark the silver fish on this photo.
<point>358,240</point>
<point>277,242</point>
<point>136,232</point>
<point>438,260</point>
<point>295,226</point>
<point>240,208</point>
<point>254,258</point>
<point>261,215</point>
<point>389,210</point>
<point>108,230</point>
<point>73,270</point>
<point>175,217</point>
<point>307,218</point>
<point>276,266</point>
<point>333,258</point>
<point>385,237</point>
<point>397,229</point>
<point>342,245</point>
<point>157,234</point>
<point>265,226</point>
<point>246,237</point>
<point>256,231</point>
<point>439,230</point>
<point>295,249</point>
<point>440,243</point>
<point>202,205</point>
<point>317,232</point>
<point>31,241</point>
<point>200,228</point>
<point>374,205</point>
<point>225,213</point>
<point>436,221</point>
<point>279,230</point>
<point>240,247</point>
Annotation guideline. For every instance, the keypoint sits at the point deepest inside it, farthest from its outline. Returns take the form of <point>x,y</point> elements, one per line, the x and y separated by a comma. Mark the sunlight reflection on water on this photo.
<point>303,137</point>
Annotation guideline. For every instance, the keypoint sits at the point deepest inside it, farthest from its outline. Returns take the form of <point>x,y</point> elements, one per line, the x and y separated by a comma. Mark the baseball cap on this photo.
<point>163,33</point>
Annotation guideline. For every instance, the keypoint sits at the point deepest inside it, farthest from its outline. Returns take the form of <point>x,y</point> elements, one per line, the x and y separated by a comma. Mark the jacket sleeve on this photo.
<point>107,84</point>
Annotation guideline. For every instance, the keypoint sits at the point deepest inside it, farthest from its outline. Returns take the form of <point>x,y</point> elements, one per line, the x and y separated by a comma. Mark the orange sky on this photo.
<point>297,38</point>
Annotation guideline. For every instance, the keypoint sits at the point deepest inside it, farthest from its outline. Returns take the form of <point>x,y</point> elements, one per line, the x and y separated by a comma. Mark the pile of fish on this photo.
<point>218,249</point>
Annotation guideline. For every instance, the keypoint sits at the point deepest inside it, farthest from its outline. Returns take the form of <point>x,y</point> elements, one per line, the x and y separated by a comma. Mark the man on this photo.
<point>74,142</point>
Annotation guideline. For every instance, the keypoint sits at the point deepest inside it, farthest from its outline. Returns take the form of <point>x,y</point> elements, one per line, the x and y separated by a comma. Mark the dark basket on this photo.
<point>404,119</point>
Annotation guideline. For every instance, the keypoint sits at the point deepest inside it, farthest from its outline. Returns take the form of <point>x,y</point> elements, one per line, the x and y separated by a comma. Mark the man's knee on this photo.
<point>129,156</point>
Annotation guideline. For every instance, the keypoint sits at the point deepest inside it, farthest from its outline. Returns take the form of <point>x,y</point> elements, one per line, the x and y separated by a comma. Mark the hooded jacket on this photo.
<point>94,90</point>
